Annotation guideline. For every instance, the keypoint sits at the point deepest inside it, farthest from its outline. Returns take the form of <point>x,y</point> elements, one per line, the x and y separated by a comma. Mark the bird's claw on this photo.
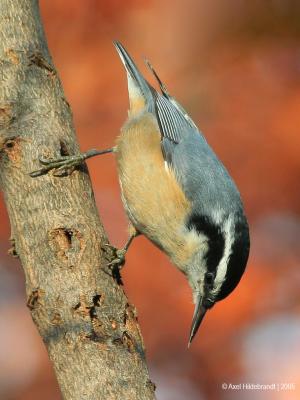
<point>119,256</point>
<point>64,165</point>
<point>49,162</point>
<point>119,260</point>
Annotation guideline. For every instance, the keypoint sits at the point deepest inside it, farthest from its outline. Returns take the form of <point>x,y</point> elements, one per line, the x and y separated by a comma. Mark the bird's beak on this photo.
<point>132,70</point>
<point>127,61</point>
<point>139,90</point>
<point>199,313</point>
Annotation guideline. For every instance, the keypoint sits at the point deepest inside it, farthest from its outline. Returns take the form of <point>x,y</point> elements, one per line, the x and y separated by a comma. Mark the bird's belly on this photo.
<point>153,199</point>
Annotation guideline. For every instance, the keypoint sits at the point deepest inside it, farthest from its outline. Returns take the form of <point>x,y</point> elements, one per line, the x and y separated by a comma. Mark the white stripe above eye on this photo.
<point>228,233</point>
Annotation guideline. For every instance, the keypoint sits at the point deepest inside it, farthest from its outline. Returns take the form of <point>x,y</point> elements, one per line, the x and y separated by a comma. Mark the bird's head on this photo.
<point>217,267</point>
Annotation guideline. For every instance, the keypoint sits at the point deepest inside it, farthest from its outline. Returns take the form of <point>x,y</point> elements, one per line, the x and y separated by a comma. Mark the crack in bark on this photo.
<point>35,299</point>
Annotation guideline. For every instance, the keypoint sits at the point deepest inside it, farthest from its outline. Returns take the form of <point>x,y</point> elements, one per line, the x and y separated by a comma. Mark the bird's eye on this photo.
<point>209,279</point>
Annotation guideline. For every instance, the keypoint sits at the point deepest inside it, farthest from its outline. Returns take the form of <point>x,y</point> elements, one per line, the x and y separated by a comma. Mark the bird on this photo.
<point>176,192</point>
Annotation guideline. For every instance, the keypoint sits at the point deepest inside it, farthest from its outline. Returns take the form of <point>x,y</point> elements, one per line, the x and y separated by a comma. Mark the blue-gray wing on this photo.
<point>201,175</point>
<point>174,121</point>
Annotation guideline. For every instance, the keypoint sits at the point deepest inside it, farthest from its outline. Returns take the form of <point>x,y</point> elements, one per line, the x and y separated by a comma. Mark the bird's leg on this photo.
<point>119,254</point>
<point>66,164</point>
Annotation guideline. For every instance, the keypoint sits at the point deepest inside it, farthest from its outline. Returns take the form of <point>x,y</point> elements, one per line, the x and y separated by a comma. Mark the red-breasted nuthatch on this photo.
<point>176,192</point>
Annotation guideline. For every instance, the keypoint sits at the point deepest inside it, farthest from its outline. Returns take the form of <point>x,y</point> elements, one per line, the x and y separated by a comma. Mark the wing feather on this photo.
<point>173,123</point>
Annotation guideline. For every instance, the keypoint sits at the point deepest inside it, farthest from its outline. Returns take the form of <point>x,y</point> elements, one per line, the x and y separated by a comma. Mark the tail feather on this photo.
<point>167,95</point>
<point>161,84</point>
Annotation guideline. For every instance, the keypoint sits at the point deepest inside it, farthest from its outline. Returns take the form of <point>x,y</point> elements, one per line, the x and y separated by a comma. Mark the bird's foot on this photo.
<point>65,165</point>
<point>117,261</point>
<point>118,255</point>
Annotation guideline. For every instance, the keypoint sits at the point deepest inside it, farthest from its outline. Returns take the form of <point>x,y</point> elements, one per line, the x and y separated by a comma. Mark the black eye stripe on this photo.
<point>209,278</point>
<point>216,241</point>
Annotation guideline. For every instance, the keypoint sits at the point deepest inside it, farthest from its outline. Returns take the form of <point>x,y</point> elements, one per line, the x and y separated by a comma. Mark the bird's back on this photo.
<point>202,176</point>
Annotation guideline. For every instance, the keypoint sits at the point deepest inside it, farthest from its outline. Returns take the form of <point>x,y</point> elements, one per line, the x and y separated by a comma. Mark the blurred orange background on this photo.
<point>235,66</point>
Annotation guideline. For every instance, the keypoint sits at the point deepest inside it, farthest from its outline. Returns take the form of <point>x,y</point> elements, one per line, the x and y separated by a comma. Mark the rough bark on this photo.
<point>82,314</point>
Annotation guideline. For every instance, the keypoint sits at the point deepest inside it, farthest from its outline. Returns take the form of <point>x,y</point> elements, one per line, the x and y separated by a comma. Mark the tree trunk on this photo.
<point>82,314</point>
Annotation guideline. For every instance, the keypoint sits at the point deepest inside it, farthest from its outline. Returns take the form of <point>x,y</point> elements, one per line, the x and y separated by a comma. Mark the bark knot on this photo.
<point>67,243</point>
<point>12,147</point>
